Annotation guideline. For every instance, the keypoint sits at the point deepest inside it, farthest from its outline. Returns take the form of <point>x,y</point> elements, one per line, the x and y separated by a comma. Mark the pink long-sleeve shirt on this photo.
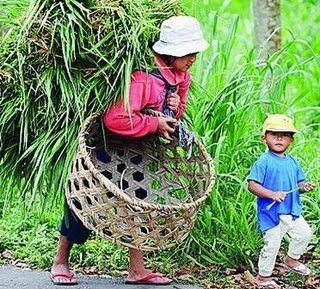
<point>146,91</point>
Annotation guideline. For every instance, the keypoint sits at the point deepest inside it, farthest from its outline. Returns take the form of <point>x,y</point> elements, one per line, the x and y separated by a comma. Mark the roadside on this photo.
<point>15,278</point>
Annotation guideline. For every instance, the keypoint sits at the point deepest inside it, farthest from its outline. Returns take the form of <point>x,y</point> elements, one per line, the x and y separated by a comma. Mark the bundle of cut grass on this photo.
<point>67,60</point>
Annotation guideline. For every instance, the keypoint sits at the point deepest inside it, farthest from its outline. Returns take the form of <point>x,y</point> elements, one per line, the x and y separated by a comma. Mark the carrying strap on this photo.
<point>169,90</point>
<point>186,138</point>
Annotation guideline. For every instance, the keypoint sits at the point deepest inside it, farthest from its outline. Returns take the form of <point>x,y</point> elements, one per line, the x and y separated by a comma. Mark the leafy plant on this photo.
<point>228,103</point>
<point>66,60</point>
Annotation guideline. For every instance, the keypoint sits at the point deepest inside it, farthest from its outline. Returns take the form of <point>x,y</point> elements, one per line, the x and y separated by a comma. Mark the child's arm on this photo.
<point>306,187</point>
<point>262,192</point>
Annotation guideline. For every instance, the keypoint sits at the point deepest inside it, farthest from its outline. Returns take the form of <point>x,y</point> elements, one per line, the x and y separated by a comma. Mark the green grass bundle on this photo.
<point>66,60</point>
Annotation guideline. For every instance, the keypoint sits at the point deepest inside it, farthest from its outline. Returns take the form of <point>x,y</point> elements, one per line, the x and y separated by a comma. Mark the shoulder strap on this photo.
<point>186,138</point>
<point>155,72</point>
<point>169,89</point>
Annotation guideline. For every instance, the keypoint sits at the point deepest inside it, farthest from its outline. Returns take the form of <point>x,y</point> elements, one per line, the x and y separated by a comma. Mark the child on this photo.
<point>277,179</point>
<point>181,39</point>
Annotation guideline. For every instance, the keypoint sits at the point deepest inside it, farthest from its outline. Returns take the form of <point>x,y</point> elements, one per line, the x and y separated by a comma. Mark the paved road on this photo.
<point>17,278</point>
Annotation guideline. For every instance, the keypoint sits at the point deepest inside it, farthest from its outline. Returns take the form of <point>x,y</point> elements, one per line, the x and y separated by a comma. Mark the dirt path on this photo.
<point>17,278</point>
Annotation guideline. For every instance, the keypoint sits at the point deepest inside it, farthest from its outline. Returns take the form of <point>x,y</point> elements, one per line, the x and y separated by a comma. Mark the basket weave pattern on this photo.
<point>141,193</point>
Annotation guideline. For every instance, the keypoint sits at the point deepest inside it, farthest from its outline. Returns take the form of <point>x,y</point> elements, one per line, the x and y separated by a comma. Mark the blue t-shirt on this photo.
<point>277,174</point>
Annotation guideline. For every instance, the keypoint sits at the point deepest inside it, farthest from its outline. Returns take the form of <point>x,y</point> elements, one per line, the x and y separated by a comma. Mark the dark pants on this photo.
<point>73,229</point>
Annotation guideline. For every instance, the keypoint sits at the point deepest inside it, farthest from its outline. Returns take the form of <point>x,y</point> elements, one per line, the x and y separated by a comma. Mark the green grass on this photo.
<point>62,63</point>
<point>228,106</point>
<point>228,103</point>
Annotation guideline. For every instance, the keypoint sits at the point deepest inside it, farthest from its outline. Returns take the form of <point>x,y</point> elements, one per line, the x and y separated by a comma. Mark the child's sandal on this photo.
<point>299,269</point>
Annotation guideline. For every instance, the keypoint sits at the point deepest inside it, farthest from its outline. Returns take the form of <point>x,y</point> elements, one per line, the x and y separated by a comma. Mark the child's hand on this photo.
<point>308,186</point>
<point>279,196</point>
<point>173,101</point>
<point>166,126</point>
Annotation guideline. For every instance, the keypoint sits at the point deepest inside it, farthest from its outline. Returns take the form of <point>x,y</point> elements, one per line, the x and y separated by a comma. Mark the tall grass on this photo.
<point>10,13</point>
<point>66,60</point>
<point>227,105</point>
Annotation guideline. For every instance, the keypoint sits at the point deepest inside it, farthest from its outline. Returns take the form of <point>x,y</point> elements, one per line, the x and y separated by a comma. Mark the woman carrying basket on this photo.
<point>180,40</point>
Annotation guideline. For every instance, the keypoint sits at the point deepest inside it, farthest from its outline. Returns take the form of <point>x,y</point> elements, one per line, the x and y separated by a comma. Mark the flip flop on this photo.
<point>67,276</point>
<point>267,284</point>
<point>299,269</point>
<point>147,280</point>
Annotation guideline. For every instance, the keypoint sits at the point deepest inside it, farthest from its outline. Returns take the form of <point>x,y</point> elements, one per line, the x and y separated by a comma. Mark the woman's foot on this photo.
<point>138,274</point>
<point>61,275</point>
<point>147,277</point>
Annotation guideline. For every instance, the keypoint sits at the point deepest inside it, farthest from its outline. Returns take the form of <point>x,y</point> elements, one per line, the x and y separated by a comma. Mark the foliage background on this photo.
<point>230,98</point>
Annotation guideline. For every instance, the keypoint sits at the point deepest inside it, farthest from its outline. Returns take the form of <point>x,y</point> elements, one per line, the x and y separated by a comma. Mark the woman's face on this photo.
<point>183,63</point>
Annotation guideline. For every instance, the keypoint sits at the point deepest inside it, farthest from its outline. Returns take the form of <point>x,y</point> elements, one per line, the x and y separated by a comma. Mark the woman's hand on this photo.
<point>166,126</point>
<point>173,101</point>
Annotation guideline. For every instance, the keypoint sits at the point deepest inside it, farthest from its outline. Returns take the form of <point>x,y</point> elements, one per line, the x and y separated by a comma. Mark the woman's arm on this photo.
<point>132,122</point>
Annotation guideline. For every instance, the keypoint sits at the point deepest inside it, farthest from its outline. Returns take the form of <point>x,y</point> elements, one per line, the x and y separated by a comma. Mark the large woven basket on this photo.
<point>141,193</point>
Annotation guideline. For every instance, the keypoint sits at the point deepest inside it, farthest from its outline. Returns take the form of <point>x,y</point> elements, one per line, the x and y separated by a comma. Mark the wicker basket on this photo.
<point>141,193</point>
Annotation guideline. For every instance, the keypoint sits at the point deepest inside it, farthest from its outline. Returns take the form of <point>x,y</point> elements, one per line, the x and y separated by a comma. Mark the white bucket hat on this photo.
<point>179,36</point>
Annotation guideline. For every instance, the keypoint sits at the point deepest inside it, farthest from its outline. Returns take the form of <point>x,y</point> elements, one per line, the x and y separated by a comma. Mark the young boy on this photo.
<point>277,179</point>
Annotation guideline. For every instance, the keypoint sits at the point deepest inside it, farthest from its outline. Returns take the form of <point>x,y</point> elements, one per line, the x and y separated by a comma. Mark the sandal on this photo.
<point>269,284</point>
<point>150,280</point>
<point>63,278</point>
<point>299,269</point>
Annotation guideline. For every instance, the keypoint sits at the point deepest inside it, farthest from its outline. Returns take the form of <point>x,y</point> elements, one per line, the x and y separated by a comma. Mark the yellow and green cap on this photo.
<point>278,122</point>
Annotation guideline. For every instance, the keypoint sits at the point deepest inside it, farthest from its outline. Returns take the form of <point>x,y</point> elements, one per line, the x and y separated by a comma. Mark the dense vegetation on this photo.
<point>230,97</point>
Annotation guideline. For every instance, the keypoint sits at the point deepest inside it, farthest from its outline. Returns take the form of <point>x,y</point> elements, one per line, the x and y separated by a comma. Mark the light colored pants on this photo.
<point>300,233</point>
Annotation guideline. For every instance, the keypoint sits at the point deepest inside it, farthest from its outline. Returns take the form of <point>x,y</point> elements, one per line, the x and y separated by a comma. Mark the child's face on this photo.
<point>278,142</point>
<point>184,63</point>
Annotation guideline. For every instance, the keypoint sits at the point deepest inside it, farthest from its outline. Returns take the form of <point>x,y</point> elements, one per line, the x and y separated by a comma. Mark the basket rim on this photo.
<point>134,202</point>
